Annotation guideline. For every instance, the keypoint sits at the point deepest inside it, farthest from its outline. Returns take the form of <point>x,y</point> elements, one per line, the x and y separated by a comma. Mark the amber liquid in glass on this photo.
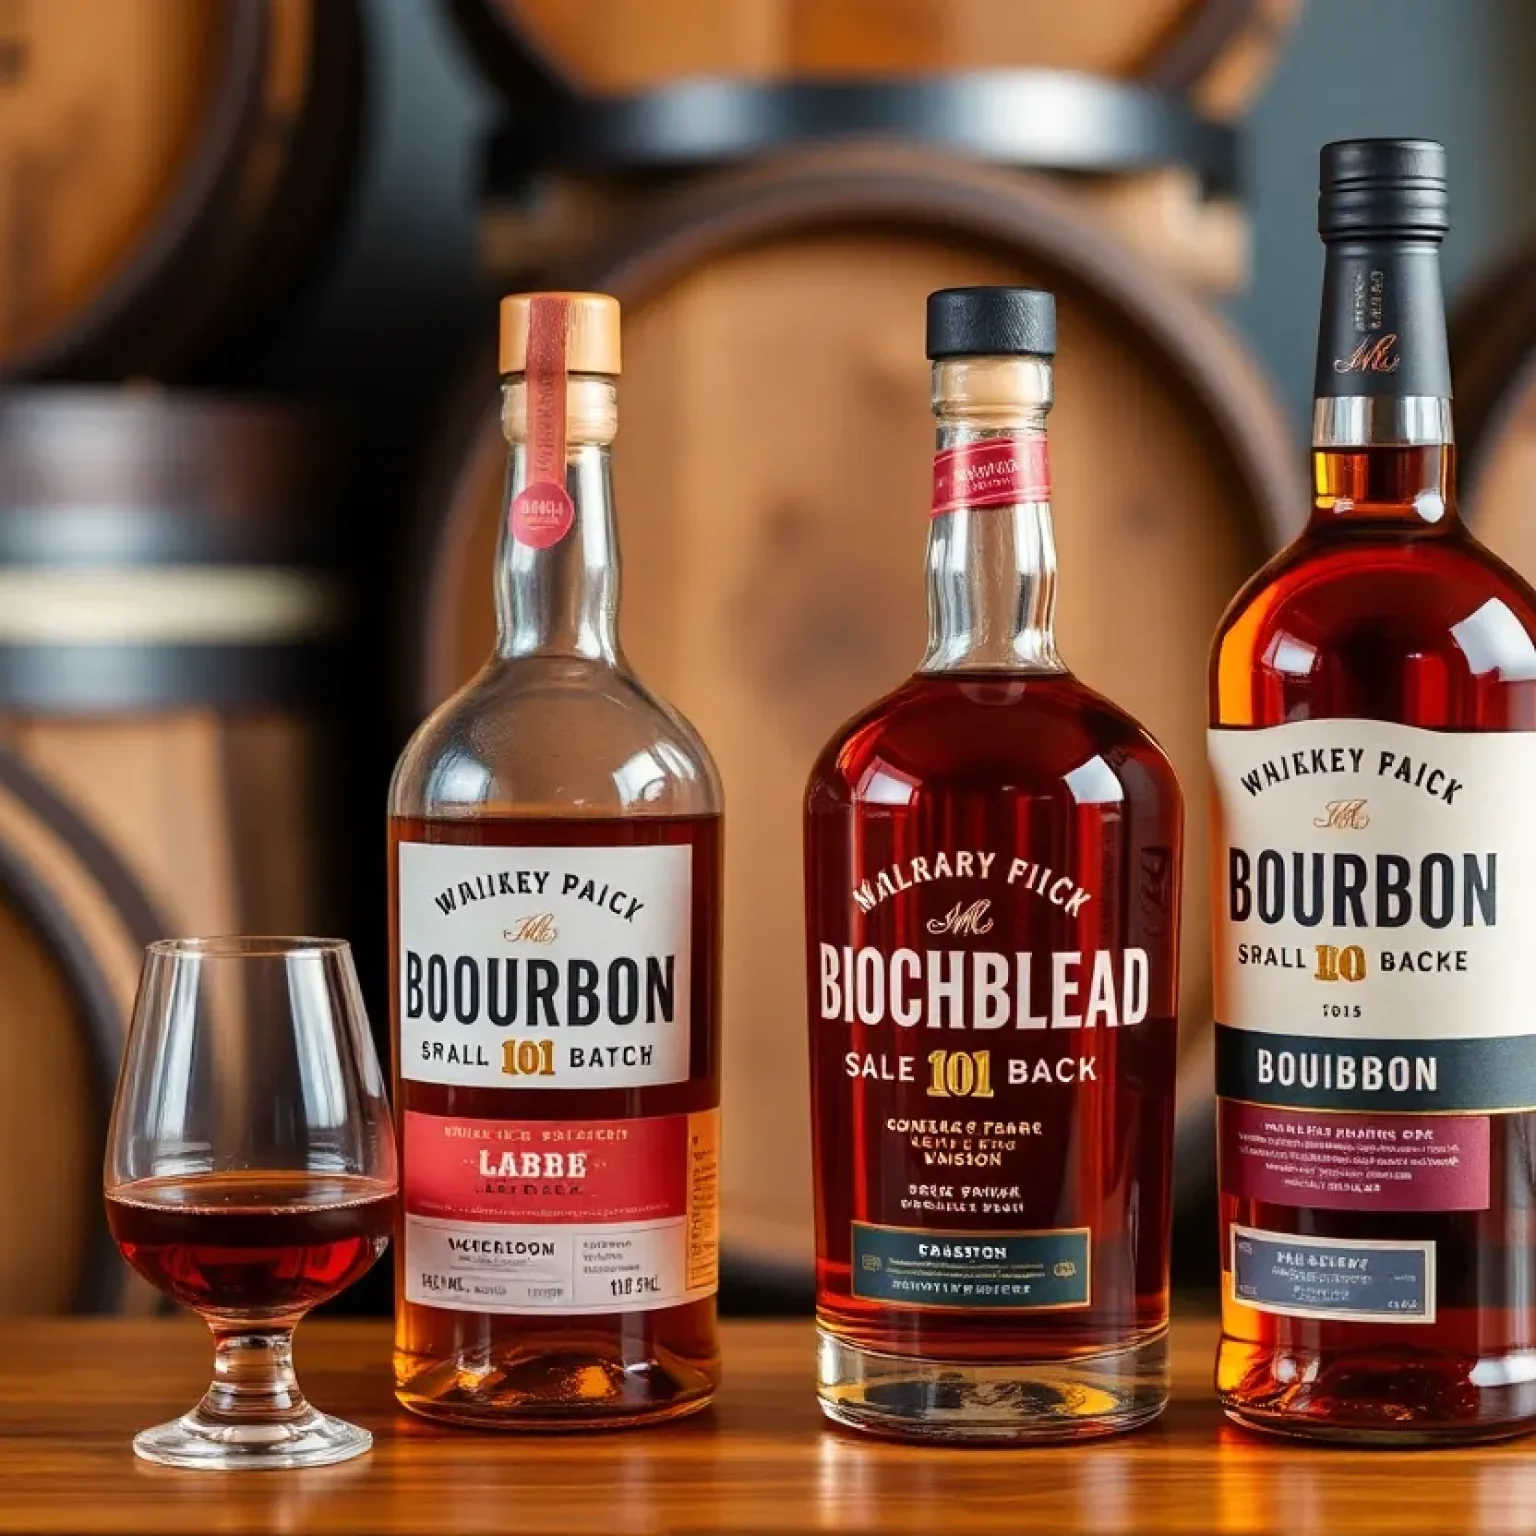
<point>252,1245</point>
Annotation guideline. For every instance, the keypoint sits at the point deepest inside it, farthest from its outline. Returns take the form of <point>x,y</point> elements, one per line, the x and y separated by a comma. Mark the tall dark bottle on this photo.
<point>992,886</point>
<point>1372,744</point>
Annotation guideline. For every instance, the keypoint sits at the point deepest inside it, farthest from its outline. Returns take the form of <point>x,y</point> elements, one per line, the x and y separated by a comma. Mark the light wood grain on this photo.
<point>166,167</point>
<point>629,45</point>
<point>50,1148</point>
<point>73,1393</point>
<point>45,1151</point>
<point>93,134</point>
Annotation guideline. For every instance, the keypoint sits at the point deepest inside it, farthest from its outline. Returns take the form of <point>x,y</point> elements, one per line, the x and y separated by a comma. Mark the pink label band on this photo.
<point>542,513</point>
<point>1352,1162</point>
<point>546,1172</point>
<point>999,473</point>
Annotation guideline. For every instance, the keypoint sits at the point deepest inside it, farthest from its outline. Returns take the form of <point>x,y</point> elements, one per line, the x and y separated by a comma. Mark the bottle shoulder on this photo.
<point>1381,611</point>
<point>979,733</point>
<point>555,736</point>
<point>1320,578</point>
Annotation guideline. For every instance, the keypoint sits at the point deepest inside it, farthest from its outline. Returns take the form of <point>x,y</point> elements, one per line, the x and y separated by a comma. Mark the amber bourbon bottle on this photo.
<point>554,850</point>
<point>992,883</point>
<point>1373,747</point>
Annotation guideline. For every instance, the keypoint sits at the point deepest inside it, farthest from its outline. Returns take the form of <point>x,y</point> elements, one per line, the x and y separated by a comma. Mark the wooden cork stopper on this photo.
<point>588,322</point>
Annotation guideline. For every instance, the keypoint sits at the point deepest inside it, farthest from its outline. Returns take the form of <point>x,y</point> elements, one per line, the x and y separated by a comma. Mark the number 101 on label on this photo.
<point>968,1074</point>
<point>528,1058</point>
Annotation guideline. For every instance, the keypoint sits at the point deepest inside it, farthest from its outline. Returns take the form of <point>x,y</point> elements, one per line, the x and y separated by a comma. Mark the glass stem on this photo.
<point>253,1376</point>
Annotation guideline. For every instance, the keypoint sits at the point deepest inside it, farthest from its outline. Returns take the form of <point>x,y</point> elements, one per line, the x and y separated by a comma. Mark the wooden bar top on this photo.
<point>73,1392</point>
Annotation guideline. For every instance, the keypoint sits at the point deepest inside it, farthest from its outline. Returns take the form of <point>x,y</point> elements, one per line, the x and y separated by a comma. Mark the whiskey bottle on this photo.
<point>554,849</point>
<point>1372,745</point>
<point>992,884</point>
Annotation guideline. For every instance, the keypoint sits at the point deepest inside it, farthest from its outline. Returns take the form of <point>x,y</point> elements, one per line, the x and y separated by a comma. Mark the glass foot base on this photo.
<point>963,1401</point>
<point>309,1439</point>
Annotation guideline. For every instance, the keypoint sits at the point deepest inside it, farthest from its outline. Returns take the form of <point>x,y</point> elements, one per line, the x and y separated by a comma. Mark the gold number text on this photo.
<point>960,1074</point>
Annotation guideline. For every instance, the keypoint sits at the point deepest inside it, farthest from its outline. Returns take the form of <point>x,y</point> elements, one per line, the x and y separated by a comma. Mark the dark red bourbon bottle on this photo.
<point>992,879</point>
<point>1373,742</point>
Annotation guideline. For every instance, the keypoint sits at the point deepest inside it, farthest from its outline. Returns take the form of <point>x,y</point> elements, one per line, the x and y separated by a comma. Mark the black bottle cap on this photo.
<point>1383,187</point>
<point>991,322</point>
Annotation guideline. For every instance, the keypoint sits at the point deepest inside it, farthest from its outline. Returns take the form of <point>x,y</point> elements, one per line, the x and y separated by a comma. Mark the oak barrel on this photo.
<point>168,169</point>
<point>772,471</point>
<point>1215,51</point>
<point>73,923</point>
<point>1141,164</point>
<point>166,627</point>
<point>1124,95</point>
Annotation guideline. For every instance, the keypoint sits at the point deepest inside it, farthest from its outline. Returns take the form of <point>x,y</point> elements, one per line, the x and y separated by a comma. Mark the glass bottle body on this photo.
<point>998,765</point>
<point>1387,609</point>
<point>559,756</point>
<point>992,883</point>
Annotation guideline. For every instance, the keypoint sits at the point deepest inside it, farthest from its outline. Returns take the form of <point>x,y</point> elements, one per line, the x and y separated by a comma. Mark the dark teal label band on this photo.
<point>1383,321</point>
<point>988,1270</point>
<point>1334,1278</point>
<point>1480,1075</point>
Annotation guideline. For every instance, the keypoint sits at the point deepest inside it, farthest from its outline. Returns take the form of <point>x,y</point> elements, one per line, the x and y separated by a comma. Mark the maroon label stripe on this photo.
<point>999,473</point>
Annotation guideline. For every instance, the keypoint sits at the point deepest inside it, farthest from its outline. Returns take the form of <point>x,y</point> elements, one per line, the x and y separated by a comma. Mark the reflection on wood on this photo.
<point>761,1463</point>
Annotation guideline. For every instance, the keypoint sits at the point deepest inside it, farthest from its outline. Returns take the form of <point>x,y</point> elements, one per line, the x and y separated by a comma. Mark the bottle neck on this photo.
<point>991,552</point>
<point>1383,445</point>
<point>557,564</point>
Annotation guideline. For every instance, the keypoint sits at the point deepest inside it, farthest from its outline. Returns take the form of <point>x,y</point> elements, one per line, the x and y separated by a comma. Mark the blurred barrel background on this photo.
<point>250,466</point>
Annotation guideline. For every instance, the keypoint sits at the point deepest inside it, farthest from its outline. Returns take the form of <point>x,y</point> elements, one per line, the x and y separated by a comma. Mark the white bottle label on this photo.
<point>1375,912</point>
<point>545,967</point>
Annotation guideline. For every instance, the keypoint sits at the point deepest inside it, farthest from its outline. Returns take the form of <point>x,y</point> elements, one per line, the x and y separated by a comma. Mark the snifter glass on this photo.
<point>250,1175</point>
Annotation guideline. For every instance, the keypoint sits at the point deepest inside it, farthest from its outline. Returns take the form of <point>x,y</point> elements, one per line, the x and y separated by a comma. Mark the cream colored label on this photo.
<point>539,968</point>
<point>1416,847</point>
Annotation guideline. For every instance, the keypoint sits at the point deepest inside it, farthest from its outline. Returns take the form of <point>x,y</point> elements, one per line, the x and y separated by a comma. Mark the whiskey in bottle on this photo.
<point>1373,744</point>
<point>554,852</point>
<point>992,883</point>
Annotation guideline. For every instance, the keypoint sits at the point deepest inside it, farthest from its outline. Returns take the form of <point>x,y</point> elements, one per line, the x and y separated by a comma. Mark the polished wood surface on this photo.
<point>72,1393</point>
